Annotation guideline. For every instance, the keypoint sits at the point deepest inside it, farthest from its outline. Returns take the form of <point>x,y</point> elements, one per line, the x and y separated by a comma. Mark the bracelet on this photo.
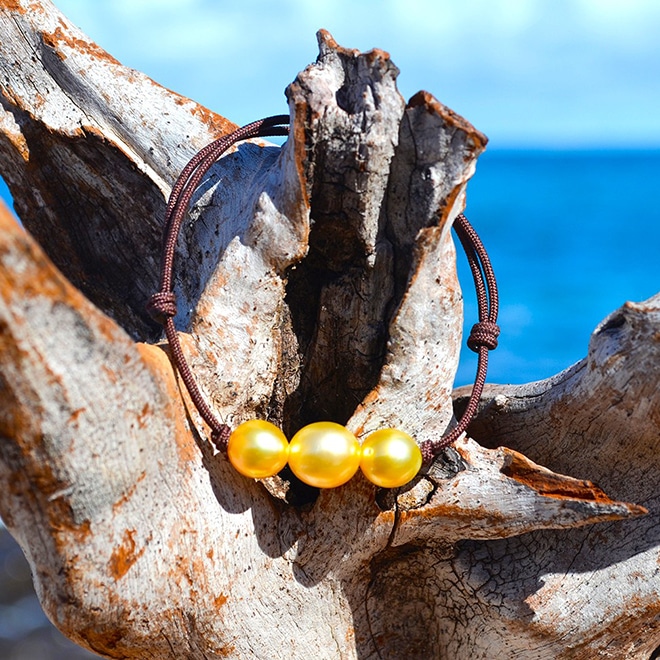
<point>323,454</point>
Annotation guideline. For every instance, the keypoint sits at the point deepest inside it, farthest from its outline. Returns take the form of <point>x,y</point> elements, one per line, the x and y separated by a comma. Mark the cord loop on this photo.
<point>162,305</point>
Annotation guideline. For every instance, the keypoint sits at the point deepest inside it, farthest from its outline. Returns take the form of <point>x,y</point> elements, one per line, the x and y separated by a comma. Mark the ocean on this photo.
<point>572,235</point>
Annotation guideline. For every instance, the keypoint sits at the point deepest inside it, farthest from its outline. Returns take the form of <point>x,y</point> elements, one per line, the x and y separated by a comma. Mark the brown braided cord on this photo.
<point>483,336</point>
<point>162,305</point>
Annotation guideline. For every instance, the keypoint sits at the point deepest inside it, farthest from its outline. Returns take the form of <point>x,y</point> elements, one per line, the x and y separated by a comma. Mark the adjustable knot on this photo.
<point>484,333</point>
<point>220,438</point>
<point>161,306</point>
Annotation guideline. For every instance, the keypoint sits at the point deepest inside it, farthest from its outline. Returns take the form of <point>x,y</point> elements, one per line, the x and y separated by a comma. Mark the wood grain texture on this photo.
<point>316,281</point>
<point>599,593</point>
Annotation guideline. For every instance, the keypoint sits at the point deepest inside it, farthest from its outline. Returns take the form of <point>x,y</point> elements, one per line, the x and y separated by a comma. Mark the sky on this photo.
<point>528,73</point>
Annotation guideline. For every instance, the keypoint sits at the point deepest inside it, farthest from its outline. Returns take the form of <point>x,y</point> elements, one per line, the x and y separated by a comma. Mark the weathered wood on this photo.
<point>317,282</point>
<point>73,109</point>
<point>599,595</point>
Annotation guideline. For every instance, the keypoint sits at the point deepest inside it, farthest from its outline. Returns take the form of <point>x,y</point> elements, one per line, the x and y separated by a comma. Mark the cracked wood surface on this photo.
<point>599,418</point>
<point>318,282</point>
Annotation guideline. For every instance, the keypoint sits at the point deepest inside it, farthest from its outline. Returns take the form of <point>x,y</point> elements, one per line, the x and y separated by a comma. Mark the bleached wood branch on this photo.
<point>318,282</point>
<point>590,593</point>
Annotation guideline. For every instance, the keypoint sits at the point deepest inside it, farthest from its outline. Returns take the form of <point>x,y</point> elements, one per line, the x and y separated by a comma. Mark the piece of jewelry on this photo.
<point>322,454</point>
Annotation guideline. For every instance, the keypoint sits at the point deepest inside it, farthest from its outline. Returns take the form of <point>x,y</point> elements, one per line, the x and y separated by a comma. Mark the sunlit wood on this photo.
<point>316,282</point>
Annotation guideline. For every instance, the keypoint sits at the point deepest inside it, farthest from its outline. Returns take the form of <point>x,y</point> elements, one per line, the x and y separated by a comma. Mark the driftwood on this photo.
<point>318,282</point>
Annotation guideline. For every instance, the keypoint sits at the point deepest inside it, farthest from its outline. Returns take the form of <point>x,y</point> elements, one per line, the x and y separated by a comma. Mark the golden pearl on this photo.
<point>390,458</point>
<point>257,449</point>
<point>324,454</point>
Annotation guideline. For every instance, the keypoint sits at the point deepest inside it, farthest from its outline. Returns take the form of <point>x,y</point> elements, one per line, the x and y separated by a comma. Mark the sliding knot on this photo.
<point>484,333</point>
<point>161,306</point>
<point>220,438</point>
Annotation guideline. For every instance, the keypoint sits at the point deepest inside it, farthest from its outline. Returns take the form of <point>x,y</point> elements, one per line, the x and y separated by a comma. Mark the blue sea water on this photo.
<point>572,236</point>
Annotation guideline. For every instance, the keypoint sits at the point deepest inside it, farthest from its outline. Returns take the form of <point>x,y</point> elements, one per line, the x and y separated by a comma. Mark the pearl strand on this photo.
<point>324,454</point>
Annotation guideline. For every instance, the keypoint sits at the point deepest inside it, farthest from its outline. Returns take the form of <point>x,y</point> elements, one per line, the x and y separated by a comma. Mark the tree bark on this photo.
<point>316,281</point>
